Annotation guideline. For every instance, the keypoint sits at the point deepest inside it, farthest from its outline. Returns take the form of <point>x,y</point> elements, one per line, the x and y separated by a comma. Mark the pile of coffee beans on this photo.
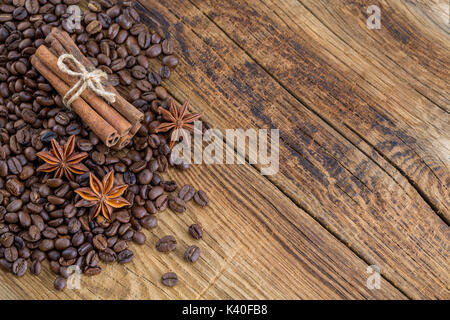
<point>38,217</point>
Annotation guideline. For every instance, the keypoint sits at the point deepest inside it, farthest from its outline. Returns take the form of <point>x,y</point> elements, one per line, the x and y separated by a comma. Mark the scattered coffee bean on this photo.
<point>166,244</point>
<point>196,231</point>
<point>192,254</point>
<point>169,279</point>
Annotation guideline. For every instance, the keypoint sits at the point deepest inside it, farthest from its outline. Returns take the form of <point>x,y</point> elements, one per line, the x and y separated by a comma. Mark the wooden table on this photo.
<point>364,155</point>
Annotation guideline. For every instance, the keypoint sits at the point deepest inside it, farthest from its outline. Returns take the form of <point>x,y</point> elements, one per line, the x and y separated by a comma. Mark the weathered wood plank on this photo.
<point>343,182</point>
<point>257,244</point>
<point>348,89</point>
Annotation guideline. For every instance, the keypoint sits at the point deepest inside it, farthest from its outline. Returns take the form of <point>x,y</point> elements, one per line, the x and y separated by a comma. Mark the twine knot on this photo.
<point>87,79</point>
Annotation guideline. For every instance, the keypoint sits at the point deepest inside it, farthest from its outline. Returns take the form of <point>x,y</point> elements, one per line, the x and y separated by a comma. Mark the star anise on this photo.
<point>63,162</point>
<point>177,119</point>
<point>103,196</point>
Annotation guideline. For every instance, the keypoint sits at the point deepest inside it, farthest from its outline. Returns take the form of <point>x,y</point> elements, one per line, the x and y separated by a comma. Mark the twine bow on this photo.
<point>91,80</point>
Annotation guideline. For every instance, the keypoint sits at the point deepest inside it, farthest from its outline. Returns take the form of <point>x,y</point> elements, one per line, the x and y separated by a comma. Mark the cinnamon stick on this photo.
<point>115,119</point>
<point>130,112</point>
<point>123,142</point>
<point>99,126</point>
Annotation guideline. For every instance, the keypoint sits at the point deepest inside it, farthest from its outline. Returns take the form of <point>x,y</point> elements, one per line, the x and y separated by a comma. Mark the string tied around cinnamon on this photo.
<point>87,80</point>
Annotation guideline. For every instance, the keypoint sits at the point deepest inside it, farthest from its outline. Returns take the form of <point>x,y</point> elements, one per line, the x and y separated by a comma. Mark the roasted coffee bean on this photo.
<point>36,267</point>
<point>99,242</point>
<point>167,47</point>
<point>11,254</point>
<point>62,244</point>
<point>154,78</point>
<point>162,202</point>
<point>139,238</point>
<point>60,283</point>
<point>50,233</point>
<point>187,192</point>
<point>154,51</point>
<point>164,72</point>
<point>84,248</point>
<point>46,245</point>
<point>166,244</point>
<point>144,39</point>
<point>78,239</point>
<point>120,246</point>
<point>19,267</point>
<point>92,259</point>
<point>177,205</point>
<point>14,206</point>
<point>129,178</point>
<point>169,279</point>
<point>5,265</point>
<point>170,61</point>
<point>161,93</point>
<point>192,254</point>
<point>123,216</point>
<point>92,271</point>
<point>155,192</point>
<point>32,6</point>
<point>138,72</point>
<point>125,256</point>
<point>138,166</point>
<point>15,187</point>
<point>201,198</point>
<point>69,253</point>
<point>138,212</point>
<point>196,231</point>
<point>53,255</point>
<point>149,222</point>
<point>107,255</point>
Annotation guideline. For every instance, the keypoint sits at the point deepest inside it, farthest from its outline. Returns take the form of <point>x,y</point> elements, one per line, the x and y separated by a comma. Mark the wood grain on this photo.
<point>330,170</point>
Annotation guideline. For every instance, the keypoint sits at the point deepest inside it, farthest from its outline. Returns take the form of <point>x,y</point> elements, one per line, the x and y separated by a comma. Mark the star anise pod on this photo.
<point>103,196</point>
<point>177,119</point>
<point>63,161</point>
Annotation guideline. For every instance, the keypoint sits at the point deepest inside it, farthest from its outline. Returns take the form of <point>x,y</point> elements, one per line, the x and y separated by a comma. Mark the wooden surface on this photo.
<point>364,155</point>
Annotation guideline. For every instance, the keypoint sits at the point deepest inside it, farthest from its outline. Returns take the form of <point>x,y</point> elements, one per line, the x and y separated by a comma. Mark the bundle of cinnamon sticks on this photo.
<point>114,123</point>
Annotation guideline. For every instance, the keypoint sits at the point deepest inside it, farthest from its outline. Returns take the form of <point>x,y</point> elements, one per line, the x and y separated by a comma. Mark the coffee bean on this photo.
<point>149,222</point>
<point>19,267</point>
<point>99,242</point>
<point>196,231</point>
<point>192,254</point>
<point>62,244</point>
<point>201,198</point>
<point>94,27</point>
<point>125,256</point>
<point>144,39</point>
<point>11,254</point>
<point>162,202</point>
<point>170,61</point>
<point>154,51</point>
<point>166,244</point>
<point>139,238</point>
<point>169,279</point>
<point>155,192</point>
<point>177,205</point>
<point>15,187</point>
<point>14,205</point>
<point>167,47</point>
<point>60,283</point>
<point>36,267</point>
<point>187,192</point>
